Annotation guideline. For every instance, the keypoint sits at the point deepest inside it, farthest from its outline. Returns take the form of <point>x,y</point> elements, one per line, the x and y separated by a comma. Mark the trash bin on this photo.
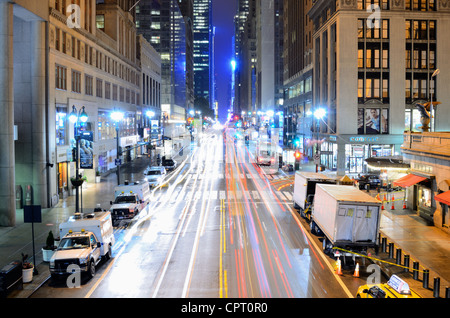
<point>19,197</point>
<point>10,278</point>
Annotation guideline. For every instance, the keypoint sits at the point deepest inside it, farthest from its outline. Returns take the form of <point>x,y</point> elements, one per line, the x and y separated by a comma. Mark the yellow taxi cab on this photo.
<point>394,288</point>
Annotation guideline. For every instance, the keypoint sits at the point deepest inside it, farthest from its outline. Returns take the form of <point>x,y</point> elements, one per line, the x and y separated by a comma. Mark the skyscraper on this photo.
<point>203,66</point>
<point>163,23</point>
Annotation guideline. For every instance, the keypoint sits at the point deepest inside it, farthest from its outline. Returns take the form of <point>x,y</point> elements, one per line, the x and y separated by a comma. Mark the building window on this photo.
<point>372,121</point>
<point>107,90</point>
<point>420,5</point>
<point>61,131</point>
<point>99,88</point>
<point>114,94</point>
<point>76,82</point>
<point>106,128</point>
<point>100,21</point>
<point>61,77</point>
<point>63,42</point>
<point>57,39</point>
<point>89,82</point>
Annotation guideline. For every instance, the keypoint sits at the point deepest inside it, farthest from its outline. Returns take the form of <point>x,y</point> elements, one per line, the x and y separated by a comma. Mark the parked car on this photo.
<point>155,175</point>
<point>372,180</point>
<point>169,164</point>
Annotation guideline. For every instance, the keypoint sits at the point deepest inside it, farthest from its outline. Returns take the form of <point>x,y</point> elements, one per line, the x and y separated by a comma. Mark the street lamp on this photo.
<point>75,118</point>
<point>150,114</point>
<point>117,116</point>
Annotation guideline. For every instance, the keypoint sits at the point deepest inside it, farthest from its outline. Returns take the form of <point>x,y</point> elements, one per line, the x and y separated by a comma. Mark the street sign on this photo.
<point>32,214</point>
<point>316,158</point>
<point>118,162</point>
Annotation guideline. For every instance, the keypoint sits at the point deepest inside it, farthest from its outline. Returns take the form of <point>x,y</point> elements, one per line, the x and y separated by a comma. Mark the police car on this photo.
<point>394,288</point>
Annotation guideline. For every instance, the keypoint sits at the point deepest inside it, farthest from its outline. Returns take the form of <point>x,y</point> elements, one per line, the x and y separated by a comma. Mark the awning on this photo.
<point>443,197</point>
<point>408,180</point>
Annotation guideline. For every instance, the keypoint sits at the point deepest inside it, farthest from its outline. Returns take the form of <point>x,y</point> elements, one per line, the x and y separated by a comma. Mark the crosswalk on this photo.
<point>235,195</point>
<point>203,174</point>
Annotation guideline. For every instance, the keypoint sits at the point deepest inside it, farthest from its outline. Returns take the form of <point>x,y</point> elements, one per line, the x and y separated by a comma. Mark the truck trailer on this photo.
<point>305,189</point>
<point>347,218</point>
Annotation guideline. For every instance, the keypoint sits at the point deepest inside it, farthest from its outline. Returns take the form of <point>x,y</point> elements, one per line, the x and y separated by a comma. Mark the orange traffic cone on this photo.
<point>392,207</point>
<point>382,205</point>
<point>339,269</point>
<point>356,274</point>
<point>378,197</point>
<point>404,204</point>
<point>384,199</point>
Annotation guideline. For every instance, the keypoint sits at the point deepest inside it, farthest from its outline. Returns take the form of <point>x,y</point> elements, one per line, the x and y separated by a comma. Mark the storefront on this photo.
<point>420,188</point>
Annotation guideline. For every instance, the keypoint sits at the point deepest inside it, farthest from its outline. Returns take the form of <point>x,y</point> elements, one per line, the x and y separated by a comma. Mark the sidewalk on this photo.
<point>18,239</point>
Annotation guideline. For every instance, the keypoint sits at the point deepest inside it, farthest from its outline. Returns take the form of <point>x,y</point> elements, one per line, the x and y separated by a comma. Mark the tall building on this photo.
<point>62,63</point>
<point>246,60</point>
<point>203,47</point>
<point>162,23</point>
<point>369,76</point>
<point>269,46</point>
<point>297,75</point>
<point>259,77</point>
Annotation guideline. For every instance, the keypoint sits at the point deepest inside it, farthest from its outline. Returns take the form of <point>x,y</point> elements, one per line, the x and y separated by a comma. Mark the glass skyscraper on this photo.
<point>203,62</point>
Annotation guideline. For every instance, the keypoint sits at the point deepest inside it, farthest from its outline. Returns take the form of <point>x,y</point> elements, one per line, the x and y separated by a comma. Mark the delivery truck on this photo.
<point>129,200</point>
<point>86,239</point>
<point>347,218</point>
<point>305,188</point>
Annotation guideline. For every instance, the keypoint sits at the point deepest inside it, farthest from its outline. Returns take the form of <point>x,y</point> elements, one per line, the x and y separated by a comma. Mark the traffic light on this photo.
<point>298,156</point>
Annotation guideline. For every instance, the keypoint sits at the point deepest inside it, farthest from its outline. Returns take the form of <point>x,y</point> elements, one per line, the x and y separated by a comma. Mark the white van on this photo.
<point>85,240</point>
<point>129,200</point>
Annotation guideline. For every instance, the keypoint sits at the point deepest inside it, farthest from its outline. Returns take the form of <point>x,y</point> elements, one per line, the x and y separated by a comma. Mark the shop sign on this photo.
<point>86,150</point>
<point>363,139</point>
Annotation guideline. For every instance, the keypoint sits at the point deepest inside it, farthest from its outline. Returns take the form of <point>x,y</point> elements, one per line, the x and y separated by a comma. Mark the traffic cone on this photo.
<point>384,197</point>
<point>378,197</point>
<point>404,204</point>
<point>382,205</point>
<point>392,207</point>
<point>356,274</point>
<point>339,269</point>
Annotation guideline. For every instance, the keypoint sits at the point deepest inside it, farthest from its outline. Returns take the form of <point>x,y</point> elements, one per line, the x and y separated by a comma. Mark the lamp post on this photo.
<point>319,113</point>
<point>117,116</point>
<point>75,118</point>
<point>150,114</point>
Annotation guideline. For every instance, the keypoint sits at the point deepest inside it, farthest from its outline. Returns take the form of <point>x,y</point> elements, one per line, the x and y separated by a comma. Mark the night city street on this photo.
<point>229,156</point>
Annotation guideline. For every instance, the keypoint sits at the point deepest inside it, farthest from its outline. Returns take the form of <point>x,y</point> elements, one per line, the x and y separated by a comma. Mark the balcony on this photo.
<point>431,144</point>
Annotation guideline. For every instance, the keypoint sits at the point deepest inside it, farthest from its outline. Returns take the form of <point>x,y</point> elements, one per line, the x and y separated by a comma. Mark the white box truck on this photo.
<point>347,217</point>
<point>305,189</point>
<point>85,240</point>
<point>129,200</point>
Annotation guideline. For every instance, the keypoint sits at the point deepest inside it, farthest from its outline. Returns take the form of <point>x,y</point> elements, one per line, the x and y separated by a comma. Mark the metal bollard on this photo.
<point>447,292</point>
<point>436,287</point>
<point>399,256</point>
<point>426,276</point>
<point>406,263</point>
<point>383,244</point>
<point>416,270</point>
<point>391,250</point>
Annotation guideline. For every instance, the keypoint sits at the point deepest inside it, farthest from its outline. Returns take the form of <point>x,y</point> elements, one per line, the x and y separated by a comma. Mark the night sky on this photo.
<point>223,14</point>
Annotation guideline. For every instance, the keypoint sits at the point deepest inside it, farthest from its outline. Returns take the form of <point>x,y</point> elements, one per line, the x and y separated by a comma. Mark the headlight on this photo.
<point>52,263</point>
<point>84,260</point>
